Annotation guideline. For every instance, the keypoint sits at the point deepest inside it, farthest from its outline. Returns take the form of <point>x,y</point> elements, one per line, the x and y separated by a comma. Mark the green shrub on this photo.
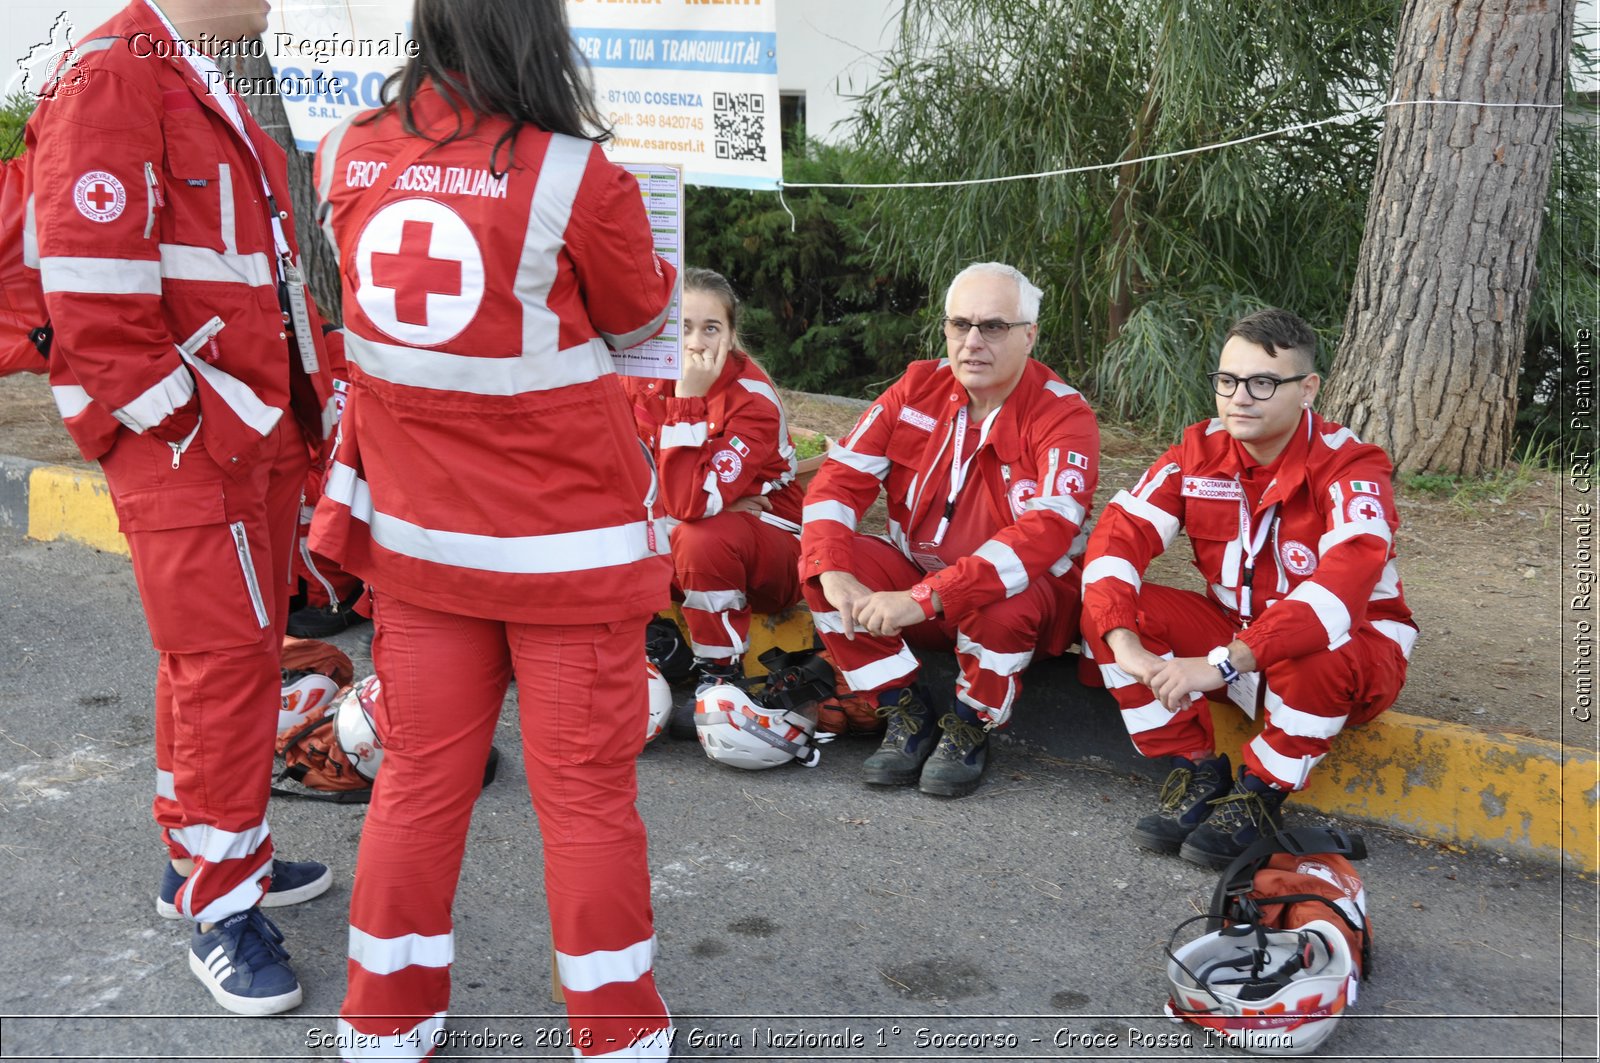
<point>817,313</point>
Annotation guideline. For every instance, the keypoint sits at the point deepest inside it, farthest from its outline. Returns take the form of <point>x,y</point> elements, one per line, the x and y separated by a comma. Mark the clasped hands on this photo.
<point>1171,681</point>
<point>885,613</point>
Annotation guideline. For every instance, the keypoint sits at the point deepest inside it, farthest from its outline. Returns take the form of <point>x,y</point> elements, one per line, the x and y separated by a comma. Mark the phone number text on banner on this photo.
<point>689,85</point>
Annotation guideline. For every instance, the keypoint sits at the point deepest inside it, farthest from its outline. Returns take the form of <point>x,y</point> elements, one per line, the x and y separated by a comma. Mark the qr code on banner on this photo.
<point>740,125</point>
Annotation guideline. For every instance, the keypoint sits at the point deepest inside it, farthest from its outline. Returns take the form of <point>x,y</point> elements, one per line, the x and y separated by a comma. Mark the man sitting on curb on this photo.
<point>1292,520</point>
<point>989,462</point>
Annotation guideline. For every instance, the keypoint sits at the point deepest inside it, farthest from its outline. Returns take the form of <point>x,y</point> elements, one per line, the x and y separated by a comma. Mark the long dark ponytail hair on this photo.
<point>514,58</point>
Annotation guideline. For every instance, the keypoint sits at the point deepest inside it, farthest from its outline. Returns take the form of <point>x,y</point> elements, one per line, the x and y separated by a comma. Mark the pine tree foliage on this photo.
<point>1144,265</point>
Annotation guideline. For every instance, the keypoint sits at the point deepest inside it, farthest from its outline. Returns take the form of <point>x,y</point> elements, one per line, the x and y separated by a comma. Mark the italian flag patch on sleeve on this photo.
<point>1364,487</point>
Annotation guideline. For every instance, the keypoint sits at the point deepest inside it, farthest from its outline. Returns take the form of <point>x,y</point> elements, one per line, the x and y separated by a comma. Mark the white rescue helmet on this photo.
<point>308,698</point>
<point>354,728</point>
<point>1271,992</point>
<point>660,700</point>
<point>736,730</point>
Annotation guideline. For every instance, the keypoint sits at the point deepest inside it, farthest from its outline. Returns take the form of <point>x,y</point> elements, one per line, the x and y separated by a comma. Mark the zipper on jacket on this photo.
<point>179,448</point>
<point>650,500</point>
<point>152,198</point>
<point>241,545</point>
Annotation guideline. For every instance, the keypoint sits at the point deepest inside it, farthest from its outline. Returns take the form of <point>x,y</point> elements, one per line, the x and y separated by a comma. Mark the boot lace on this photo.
<point>960,738</point>
<point>1176,789</point>
<point>902,716</point>
<point>1239,809</point>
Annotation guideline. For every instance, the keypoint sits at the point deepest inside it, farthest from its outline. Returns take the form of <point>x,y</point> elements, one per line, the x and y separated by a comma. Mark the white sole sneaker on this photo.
<point>237,1004</point>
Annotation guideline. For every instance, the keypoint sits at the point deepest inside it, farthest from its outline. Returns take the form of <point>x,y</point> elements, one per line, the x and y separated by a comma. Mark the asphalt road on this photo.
<point>801,915</point>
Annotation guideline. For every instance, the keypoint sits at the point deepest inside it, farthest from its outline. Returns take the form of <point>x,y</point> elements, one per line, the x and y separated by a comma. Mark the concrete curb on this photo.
<point>1524,797</point>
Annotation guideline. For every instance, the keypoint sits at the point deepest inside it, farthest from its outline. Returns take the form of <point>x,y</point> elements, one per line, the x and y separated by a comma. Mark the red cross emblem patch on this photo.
<point>1019,494</point>
<point>1364,507</point>
<point>1297,557</point>
<point>99,196</point>
<point>728,465</point>
<point>421,272</point>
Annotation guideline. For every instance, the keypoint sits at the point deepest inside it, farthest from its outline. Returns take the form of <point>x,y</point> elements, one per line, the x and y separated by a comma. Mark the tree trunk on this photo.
<point>316,257</point>
<point>1427,367</point>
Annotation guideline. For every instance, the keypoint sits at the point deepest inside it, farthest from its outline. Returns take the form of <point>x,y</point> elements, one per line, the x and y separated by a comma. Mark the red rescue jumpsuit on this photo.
<point>1299,563</point>
<point>490,489</point>
<point>153,229</point>
<point>711,451</point>
<point>1025,496</point>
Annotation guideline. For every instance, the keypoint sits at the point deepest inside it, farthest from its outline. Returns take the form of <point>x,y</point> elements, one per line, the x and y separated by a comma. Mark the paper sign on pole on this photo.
<point>661,357</point>
<point>688,82</point>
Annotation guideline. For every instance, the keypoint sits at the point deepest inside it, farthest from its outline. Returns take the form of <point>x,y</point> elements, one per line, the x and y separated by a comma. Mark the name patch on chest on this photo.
<point>1209,487</point>
<point>917,419</point>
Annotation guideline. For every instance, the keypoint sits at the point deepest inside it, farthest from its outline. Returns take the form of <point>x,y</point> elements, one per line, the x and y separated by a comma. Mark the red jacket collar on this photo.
<point>143,19</point>
<point>1005,436</point>
<point>1291,463</point>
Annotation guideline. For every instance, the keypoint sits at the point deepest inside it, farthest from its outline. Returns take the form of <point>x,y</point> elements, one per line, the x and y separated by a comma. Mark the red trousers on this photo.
<point>1308,700</point>
<point>726,567</point>
<point>211,557</point>
<point>993,646</point>
<point>582,704</point>
<point>325,582</point>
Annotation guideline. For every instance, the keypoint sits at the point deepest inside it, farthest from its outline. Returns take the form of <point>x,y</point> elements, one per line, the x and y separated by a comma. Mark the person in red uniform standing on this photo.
<point>189,362</point>
<point>1292,520</point>
<point>721,441</point>
<point>989,462</point>
<point>490,489</point>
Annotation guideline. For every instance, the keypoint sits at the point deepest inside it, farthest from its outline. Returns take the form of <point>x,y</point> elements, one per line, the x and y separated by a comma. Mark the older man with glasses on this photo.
<point>1292,520</point>
<point>988,462</point>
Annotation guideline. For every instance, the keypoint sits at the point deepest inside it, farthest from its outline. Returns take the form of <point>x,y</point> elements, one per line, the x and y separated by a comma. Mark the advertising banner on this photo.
<point>688,83</point>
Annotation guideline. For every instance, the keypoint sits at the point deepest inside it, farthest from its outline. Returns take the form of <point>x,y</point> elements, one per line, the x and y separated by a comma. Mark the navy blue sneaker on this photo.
<point>243,962</point>
<point>292,882</point>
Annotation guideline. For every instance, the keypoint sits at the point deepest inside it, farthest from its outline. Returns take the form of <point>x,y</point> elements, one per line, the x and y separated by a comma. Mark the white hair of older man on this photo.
<point>1028,293</point>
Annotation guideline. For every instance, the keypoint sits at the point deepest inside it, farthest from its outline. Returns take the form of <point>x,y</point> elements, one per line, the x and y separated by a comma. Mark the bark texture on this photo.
<point>1427,367</point>
<point>316,257</point>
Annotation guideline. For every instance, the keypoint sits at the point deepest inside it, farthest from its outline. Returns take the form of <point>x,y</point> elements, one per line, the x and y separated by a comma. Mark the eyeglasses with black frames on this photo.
<point>957,328</point>
<point>1261,387</point>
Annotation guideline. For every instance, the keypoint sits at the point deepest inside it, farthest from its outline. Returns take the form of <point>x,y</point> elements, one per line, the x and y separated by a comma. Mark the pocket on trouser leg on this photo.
<point>197,572</point>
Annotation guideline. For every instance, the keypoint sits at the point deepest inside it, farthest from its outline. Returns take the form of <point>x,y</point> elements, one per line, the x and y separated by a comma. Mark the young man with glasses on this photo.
<point>988,462</point>
<point>1292,521</point>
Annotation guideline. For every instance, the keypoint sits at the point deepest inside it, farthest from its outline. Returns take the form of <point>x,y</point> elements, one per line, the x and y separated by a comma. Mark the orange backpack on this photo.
<point>312,756</point>
<point>1287,880</point>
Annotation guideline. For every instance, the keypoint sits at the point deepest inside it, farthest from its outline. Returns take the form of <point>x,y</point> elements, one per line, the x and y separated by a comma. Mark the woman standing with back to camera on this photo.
<point>490,489</point>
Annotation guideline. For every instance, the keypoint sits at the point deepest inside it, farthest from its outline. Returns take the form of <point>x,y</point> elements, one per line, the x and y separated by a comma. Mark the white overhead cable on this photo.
<point>1297,127</point>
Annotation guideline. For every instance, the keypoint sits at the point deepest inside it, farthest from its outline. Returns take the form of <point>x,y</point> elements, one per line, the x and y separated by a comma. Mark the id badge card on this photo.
<point>927,558</point>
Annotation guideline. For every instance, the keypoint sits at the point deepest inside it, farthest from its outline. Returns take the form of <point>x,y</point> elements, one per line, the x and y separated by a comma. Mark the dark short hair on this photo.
<point>1275,330</point>
<point>511,58</point>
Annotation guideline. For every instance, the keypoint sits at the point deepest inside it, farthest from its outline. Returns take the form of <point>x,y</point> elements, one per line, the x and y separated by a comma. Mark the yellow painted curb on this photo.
<point>73,504</point>
<point>1442,780</point>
